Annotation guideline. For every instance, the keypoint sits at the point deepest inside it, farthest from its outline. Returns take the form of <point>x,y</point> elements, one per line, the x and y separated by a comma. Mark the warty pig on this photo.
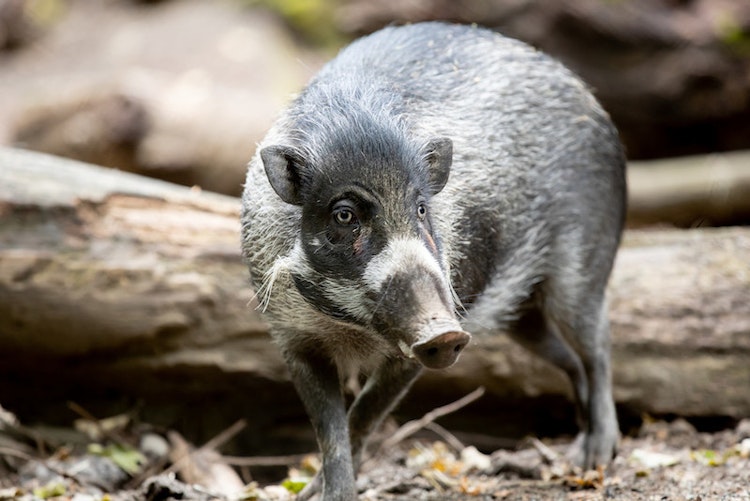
<point>434,179</point>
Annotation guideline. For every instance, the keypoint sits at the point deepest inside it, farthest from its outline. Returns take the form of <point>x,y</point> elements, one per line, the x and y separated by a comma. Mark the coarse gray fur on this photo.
<point>523,234</point>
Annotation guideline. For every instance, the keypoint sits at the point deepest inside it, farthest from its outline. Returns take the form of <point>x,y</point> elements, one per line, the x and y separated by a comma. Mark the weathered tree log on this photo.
<point>114,286</point>
<point>706,190</point>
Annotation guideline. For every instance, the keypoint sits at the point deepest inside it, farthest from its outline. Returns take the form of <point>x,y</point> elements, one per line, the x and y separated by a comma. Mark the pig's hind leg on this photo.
<point>590,337</point>
<point>579,345</point>
<point>534,332</point>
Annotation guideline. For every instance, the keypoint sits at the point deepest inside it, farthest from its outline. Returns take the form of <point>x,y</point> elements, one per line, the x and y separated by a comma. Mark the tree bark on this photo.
<point>116,286</point>
<point>705,190</point>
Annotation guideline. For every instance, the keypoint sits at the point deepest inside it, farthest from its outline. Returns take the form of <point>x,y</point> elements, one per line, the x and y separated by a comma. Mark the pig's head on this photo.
<point>368,252</point>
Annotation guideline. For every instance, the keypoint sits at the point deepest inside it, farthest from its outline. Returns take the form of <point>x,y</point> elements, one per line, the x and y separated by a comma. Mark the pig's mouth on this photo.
<point>438,344</point>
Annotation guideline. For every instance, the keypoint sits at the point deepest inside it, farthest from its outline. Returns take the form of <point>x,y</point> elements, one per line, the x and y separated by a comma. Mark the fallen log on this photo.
<point>701,190</point>
<point>116,288</point>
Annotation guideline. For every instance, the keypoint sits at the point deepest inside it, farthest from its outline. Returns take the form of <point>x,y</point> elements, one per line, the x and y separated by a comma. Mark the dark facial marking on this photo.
<point>310,292</point>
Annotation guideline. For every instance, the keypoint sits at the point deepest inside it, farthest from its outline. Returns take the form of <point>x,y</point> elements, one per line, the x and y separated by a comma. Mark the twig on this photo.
<point>112,435</point>
<point>212,444</point>
<point>263,460</point>
<point>20,434</point>
<point>449,437</point>
<point>215,442</point>
<point>8,451</point>
<point>152,469</point>
<point>78,409</point>
<point>224,437</point>
<point>408,429</point>
<point>548,455</point>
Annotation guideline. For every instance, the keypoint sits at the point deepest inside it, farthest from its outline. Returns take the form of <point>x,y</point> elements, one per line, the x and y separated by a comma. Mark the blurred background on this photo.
<point>183,89</point>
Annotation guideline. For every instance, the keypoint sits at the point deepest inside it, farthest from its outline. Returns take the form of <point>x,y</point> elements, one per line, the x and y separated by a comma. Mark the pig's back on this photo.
<point>508,108</point>
<point>536,159</point>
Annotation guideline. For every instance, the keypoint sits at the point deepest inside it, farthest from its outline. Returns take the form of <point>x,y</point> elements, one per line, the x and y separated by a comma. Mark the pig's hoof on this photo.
<point>589,451</point>
<point>576,453</point>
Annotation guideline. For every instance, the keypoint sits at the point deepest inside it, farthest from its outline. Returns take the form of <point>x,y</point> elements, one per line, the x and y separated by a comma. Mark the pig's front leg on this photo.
<point>317,381</point>
<point>383,390</point>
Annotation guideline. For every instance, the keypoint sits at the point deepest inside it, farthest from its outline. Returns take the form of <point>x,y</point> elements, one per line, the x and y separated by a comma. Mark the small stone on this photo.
<point>154,446</point>
<point>743,429</point>
<point>745,448</point>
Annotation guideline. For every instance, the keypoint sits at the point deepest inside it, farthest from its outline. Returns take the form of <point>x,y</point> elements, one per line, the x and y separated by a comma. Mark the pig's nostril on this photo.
<point>441,351</point>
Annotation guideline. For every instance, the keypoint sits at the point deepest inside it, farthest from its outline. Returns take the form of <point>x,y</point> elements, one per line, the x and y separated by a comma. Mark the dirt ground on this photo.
<point>663,461</point>
<point>666,461</point>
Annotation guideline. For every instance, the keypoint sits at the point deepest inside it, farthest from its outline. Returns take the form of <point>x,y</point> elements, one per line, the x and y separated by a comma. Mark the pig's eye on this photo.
<point>421,211</point>
<point>344,216</point>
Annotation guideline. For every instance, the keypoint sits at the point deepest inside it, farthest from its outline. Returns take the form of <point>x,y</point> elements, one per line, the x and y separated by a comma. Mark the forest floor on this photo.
<point>113,460</point>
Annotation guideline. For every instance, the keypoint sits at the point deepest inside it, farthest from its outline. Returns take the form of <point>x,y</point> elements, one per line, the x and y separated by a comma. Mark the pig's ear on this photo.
<point>285,170</point>
<point>438,153</point>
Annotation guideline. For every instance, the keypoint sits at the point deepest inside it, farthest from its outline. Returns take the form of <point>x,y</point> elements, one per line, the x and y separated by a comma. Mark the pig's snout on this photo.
<point>441,350</point>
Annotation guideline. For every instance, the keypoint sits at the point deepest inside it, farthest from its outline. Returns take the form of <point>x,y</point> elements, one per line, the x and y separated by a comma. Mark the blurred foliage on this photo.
<point>45,12</point>
<point>23,21</point>
<point>128,458</point>
<point>734,35</point>
<point>295,485</point>
<point>313,20</point>
<point>51,490</point>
